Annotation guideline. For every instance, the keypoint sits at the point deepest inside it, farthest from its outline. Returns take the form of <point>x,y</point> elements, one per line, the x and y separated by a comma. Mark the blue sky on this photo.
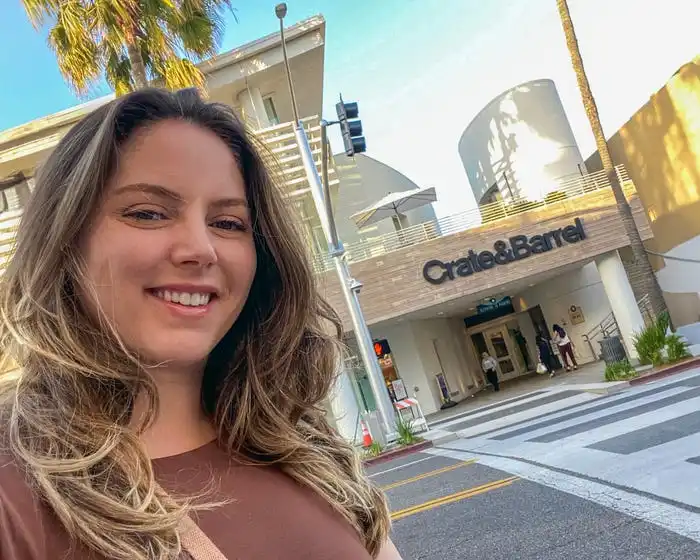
<point>422,69</point>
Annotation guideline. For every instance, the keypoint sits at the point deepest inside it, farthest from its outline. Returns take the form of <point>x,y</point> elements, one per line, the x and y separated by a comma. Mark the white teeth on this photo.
<point>184,298</point>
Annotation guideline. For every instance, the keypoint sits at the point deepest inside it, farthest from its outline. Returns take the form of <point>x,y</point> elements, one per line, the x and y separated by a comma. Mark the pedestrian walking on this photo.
<point>173,356</point>
<point>490,367</point>
<point>544,352</point>
<point>566,348</point>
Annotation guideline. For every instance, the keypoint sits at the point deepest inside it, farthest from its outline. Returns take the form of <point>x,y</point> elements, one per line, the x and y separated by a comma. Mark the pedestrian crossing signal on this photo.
<point>381,348</point>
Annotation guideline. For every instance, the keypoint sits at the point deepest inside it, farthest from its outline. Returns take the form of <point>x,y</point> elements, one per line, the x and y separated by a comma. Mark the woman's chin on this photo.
<point>181,357</point>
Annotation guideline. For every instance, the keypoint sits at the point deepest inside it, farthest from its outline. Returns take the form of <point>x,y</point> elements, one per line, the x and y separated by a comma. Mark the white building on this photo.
<point>520,146</point>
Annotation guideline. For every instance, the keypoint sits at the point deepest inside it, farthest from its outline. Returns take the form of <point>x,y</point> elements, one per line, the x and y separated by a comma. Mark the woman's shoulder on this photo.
<point>28,528</point>
<point>21,514</point>
<point>267,514</point>
<point>15,490</point>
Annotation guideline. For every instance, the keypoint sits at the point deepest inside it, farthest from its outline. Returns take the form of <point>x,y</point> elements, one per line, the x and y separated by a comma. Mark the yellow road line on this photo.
<point>464,494</point>
<point>427,475</point>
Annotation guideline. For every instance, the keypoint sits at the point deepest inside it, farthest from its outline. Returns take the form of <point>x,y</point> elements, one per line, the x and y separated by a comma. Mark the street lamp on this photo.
<point>348,285</point>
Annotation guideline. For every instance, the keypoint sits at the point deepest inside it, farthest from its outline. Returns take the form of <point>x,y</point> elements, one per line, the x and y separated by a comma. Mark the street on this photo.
<point>555,475</point>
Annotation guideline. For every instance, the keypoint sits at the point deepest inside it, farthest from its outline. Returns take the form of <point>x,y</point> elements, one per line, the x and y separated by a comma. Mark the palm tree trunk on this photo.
<point>641,264</point>
<point>138,68</point>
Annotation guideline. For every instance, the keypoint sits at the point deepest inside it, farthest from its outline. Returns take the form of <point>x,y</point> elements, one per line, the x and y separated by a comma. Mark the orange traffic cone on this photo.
<point>366,437</point>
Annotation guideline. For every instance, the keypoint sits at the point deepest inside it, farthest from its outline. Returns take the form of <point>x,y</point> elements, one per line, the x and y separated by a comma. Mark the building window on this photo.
<point>270,110</point>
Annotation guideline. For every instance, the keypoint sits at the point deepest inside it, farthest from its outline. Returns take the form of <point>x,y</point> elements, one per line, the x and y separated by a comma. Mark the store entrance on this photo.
<point>510,340</point>
<point>497,343</point>
<point>508,346</point>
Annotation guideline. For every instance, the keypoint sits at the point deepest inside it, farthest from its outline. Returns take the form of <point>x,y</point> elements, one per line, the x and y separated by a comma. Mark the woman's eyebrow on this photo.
<point>163,192</point>
<point>230,202</point>
<point>150,188</point>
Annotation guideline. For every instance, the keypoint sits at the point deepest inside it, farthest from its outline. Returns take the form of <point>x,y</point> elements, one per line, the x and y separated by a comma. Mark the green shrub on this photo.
<point>651,341</point>
<point>373,450</point>
<point>405,431</point>
<point>619,371</point>
<point>676,349</point>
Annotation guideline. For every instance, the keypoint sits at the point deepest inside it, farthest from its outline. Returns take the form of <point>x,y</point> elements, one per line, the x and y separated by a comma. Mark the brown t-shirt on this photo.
<point>268,515</point>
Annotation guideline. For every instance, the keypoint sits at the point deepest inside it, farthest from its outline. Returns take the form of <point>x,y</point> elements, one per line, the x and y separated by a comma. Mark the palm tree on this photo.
<point>130,41</point>
<point>641,265</point>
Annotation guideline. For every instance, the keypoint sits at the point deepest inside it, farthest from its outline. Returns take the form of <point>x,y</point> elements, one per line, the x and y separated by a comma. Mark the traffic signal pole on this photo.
<point>349,286</point>
<point>351,292</point>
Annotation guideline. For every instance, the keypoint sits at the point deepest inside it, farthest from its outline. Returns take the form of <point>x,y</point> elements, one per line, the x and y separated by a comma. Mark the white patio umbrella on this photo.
<point>393,205</point>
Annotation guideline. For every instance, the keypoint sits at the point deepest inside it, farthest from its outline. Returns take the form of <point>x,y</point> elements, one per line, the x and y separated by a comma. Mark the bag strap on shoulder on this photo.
<point>196,543</point>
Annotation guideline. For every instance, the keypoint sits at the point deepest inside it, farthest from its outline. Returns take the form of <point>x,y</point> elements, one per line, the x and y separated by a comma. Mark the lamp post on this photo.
<point>349,286</point>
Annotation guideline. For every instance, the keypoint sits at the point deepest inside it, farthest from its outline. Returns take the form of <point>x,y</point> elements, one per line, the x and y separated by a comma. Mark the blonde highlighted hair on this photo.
<point>67,412</point>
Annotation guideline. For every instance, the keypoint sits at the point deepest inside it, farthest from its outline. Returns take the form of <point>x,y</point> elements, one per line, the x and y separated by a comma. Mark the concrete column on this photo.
<point>344,408</point>
<point>250,99</point>
<point>622,301</point>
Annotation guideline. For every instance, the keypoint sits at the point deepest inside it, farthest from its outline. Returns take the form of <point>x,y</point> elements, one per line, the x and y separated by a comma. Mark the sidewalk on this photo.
<point>587,374</point>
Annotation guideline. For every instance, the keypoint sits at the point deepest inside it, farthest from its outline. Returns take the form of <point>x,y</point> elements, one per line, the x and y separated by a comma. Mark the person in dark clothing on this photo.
<point>544,351</point>
<point>490,367</point>
<point>566,347</point>
<point>522,345</point>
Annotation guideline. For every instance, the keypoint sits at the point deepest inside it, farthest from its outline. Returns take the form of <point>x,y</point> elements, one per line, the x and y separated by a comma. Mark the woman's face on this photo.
<point>170,254</point>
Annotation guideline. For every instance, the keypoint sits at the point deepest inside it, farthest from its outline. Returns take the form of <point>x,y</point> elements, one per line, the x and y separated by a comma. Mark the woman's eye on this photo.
<point>231,225</point>
<point>146,215</point>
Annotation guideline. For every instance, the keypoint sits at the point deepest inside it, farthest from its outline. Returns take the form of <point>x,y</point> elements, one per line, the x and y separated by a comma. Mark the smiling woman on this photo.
<point>174,354</point>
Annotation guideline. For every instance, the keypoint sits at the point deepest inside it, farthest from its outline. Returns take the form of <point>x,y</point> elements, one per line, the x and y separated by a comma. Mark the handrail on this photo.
<point>609,326</point>
<point>487,213</point>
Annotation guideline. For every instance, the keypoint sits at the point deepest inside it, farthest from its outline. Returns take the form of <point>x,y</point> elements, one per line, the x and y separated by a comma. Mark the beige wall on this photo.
<point>422,349</point>
<point>582,288</point>
<point>660,147</point>
<point>394,285</point>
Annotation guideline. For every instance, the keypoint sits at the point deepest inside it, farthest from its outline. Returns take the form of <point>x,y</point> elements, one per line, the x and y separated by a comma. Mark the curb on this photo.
<point>615,387</point>
<point>666,372</point>
<point>400,452</point>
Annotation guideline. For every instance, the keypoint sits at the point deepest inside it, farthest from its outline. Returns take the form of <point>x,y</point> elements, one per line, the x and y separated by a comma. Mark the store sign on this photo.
<point>516,248</point>
<point>504,304</point>
<point>576,315</point>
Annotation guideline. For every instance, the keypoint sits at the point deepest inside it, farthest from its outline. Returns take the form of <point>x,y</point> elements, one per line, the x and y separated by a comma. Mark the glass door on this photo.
<point>500,348</point>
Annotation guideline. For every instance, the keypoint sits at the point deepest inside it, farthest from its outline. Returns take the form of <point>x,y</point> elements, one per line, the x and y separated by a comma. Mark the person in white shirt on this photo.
<point>566,348</point>
<point>490,367</point>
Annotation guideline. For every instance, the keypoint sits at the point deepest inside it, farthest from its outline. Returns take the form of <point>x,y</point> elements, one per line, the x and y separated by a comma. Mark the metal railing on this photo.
<point>608,326</point>
<point>573,187</point>
<point>280,142</point>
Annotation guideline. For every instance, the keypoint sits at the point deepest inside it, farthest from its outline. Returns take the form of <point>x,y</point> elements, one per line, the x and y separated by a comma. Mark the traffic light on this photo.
<point>381,348</point>
<point>350,127</point>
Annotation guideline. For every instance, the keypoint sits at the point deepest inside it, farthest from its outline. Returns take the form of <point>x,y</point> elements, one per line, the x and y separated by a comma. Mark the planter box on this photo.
<point>666,370</point>
<point>395,452</point>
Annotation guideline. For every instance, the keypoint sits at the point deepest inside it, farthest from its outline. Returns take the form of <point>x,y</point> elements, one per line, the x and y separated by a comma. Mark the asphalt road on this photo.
<point>445,508</point>
<point>561,474</point>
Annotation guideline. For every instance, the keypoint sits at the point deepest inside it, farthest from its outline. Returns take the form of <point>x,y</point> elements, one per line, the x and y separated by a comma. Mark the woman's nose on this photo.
<point>194,244</point>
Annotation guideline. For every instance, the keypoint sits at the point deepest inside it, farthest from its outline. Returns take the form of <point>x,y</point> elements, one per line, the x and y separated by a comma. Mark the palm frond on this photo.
<point>181,73</point>
<point>118,71</point>
<point>200,25</point>
<point>94,36</point>
<point>75,47</point>
<point>39,11</point>
<point>108,19</point>
<point>158,45</point>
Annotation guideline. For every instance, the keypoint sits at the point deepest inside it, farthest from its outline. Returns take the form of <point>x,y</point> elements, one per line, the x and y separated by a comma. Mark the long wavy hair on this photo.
<point>68,410</point>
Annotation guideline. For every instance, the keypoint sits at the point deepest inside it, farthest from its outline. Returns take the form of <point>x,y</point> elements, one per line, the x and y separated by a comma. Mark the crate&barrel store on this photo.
<point>498,301</point>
